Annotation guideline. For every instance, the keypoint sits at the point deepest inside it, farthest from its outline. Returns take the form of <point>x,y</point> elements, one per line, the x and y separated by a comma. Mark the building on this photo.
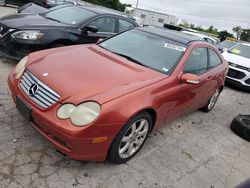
<point>148,17</point>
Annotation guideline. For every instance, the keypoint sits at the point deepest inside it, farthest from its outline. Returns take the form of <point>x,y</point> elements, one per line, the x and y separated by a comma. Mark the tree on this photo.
<point>237,30</point>
<point>184,24</point>
<point>210,29</point>
<point>245,35</point>
<point>224,34</point>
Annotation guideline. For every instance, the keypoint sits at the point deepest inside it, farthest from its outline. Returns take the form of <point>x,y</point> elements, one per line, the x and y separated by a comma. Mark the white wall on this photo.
<point>152,18</point>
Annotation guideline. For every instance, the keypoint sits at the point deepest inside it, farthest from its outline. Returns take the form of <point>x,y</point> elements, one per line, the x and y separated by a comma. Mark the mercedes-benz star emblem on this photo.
<point>33,89</point>
<point>45,74</point>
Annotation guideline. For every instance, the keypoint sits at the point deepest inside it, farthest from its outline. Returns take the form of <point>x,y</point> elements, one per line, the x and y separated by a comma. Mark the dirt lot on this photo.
<point>198,150</point>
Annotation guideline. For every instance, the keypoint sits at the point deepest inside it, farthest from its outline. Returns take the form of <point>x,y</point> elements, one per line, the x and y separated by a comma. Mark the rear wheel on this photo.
<point>2,2</point>
<point>212,101</point>
<point>131,138</point>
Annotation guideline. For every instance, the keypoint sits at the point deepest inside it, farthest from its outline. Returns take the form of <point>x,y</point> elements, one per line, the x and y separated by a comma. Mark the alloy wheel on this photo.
<point>133,138</point>
<point>214,99</point>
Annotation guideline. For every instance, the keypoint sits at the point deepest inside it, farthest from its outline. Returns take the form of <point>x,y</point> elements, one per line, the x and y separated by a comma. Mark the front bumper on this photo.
<point>238,77</point>
<point>17,49</point>
<point>76,142</point>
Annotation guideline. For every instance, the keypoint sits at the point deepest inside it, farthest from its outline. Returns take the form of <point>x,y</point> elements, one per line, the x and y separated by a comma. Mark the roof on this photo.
<point>99,10</point>
<point>171,34</point>
<point>245,43</point>
<point>200,35</point>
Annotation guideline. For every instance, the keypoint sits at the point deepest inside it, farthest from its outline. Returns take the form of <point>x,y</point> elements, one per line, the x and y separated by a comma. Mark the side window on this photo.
<point>197,62</point>
<point>214,59</point>
<point>209,41</point>
<point>105,24</point>
<point>125,25</point>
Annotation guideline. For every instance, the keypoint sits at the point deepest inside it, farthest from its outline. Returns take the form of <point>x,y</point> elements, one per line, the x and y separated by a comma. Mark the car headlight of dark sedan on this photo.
<point>80,115</point>
<point>27,35</point>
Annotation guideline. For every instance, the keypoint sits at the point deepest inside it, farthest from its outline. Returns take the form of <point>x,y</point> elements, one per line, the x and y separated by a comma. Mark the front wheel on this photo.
<point>130,139</point>
<point>2,2</point>
<point>212,101</point>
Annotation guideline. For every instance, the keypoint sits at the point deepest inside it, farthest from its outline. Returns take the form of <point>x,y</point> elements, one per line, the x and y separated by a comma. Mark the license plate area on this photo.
<point>23,108</point>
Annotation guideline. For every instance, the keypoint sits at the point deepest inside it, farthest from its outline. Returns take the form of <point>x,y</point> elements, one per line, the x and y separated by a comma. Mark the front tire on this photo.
<point>212,101</point>
<point>2,2</point>
<point>130,139</point>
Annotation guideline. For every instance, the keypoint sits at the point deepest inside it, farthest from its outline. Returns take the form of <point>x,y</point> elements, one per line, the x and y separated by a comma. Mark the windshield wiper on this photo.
<point>130,59</point>
<point>52,19</point>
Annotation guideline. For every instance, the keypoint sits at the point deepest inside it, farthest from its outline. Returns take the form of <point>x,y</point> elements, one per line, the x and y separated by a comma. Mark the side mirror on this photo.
<point>90,28</point>
<point>190,79</point>
<point>99,40</point>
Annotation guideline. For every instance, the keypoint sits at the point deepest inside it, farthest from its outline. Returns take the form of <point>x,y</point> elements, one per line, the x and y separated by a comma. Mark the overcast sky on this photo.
<point>223,14</point>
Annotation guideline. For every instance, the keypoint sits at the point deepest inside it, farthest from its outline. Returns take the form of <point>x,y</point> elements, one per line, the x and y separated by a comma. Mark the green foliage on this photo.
<point>224,34</point>
<point>211,30</point>
<point>114,4</point>
<point>245,35</point>
<point>237,30</point>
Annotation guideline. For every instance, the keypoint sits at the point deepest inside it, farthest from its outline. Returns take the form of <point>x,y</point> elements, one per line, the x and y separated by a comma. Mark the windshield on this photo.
<point>241,50</point>
<point>147,49</point>
<point>227,44</point>
<point>69,15</point>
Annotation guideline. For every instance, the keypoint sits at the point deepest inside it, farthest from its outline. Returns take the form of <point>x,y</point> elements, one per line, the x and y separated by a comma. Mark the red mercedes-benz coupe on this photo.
<point>100,101</point>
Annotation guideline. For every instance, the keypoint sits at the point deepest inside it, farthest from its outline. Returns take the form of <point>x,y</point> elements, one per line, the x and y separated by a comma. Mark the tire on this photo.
<point>2,2</point>
<point>130,139</point>
<point>241,126</point>
<point>212,101</point>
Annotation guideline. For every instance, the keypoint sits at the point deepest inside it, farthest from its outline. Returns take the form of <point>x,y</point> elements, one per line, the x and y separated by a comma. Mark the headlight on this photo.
<point>27,35</point>
<point>81,115</point>
<point>21,67</point>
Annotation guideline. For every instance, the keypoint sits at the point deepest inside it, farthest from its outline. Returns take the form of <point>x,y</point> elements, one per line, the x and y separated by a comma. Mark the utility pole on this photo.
<point>137,3</point>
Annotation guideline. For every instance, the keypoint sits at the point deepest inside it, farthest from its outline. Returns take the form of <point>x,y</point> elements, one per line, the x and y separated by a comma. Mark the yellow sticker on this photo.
<point>235,51</point>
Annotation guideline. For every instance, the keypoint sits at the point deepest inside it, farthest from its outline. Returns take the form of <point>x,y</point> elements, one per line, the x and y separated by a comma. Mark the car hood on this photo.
<point>236,59</point>
<point>28,21</point>
<point>88,72</point>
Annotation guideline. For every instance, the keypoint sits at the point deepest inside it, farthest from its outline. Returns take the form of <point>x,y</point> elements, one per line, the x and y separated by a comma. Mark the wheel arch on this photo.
<point>151,111</point>
<point>65,42</point>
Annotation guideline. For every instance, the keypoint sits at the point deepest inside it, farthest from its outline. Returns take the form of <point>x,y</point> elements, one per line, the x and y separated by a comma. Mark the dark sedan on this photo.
<point>21,34</point>
<point>43,3</point>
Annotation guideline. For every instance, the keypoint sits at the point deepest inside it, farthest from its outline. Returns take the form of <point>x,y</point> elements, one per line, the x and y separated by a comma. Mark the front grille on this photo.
<point>3,30</point>
<point>239,66</point>
<point>248,81</point>
<point>44,96</point>
<point>235,74</point>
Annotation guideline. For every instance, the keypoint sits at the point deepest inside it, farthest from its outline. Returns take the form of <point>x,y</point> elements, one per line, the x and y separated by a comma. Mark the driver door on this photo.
<point>106,27</point>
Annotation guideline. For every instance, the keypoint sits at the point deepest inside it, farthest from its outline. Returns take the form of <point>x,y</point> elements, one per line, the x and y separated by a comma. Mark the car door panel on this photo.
<point>106,27</point>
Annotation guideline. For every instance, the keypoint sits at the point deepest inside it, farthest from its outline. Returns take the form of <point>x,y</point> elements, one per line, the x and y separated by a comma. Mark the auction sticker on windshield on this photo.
<point>175,47</point>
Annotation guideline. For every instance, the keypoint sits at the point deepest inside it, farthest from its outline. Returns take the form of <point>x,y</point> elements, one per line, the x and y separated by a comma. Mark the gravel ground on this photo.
<point>198,150</point>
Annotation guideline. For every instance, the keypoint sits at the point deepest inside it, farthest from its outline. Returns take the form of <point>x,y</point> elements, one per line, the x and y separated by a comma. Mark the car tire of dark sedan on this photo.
<point>130,139</point>
<point>2,2</point>
<point>211,103</point>
<point>241,126</point>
